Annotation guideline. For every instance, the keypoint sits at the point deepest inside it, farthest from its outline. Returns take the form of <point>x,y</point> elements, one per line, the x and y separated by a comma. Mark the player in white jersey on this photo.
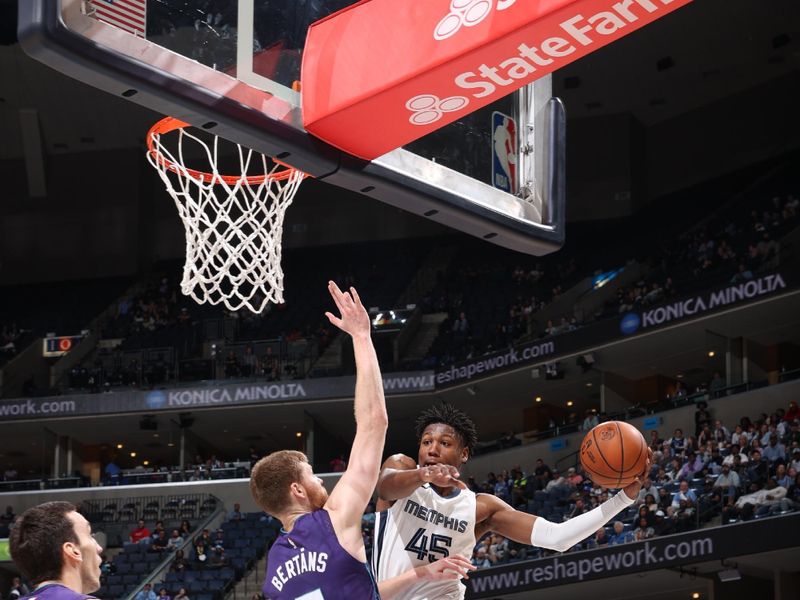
<point>426,512</point>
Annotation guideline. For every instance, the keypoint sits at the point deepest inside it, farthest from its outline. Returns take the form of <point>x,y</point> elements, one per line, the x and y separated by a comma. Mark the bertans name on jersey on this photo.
<point>299,564</point>
<point>430,515</point>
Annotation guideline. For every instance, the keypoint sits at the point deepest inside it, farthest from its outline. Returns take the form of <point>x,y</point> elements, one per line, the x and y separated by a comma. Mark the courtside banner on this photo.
<point>382,73</point>
<point>210,396</point>
<point>670,551</point>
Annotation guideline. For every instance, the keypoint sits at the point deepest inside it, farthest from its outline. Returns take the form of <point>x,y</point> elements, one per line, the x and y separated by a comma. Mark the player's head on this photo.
<point>284,481</point>
<point>52,541</point>
<point>446,435</point>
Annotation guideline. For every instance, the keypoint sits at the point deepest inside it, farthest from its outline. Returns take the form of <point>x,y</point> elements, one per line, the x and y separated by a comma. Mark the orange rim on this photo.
<point>170,124</point>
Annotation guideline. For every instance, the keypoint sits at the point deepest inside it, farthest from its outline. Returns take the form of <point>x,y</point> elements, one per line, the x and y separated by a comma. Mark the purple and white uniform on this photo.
<point>309,563</point>
<point>56,591</point>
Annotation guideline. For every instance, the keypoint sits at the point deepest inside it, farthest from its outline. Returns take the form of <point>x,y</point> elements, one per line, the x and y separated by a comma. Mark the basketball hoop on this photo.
<point>233,223</point>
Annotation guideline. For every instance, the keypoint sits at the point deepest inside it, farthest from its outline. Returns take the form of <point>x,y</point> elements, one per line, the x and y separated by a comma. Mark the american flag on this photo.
<point>129,15</point>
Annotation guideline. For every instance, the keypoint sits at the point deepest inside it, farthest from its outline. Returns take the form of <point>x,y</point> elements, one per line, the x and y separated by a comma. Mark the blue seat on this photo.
<point>133,578</point>
<point>174,577</point>
<point>116,591</point>
<point>216,585</point>
<point>197,586</point>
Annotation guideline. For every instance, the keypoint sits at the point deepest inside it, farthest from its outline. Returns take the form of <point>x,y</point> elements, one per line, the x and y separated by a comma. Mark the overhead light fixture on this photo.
<point>119,446</point>
<point>146,462</point>
<point>729,575</point>
<point>538,398</point>
<point>569,402</point>
<point>711,353</point>
<point>695,595</point>
<point>133,454</point>
<point>299,434</point>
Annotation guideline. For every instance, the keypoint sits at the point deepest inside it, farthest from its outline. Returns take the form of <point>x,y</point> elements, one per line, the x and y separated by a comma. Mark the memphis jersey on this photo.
<point>420,529</point>
<point>56,591</point>
<point>308,563</point>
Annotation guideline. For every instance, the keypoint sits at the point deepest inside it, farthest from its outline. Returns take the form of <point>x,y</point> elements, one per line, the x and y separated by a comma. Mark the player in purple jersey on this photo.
<point>320,553</point>
<point>53,547</point>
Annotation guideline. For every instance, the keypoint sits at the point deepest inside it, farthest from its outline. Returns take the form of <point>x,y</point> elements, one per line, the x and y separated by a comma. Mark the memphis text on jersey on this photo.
<point>303,562</point>
<point>430,515</point>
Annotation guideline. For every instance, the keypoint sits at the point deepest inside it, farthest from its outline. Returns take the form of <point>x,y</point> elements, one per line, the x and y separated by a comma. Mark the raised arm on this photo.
<point>349,498</point>
<point>400,476</point>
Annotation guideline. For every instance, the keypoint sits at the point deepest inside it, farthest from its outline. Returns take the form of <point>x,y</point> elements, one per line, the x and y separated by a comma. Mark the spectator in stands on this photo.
<point>186,529</point>
<point>757,469</point>
<point>200,552</point>
<point>205,536</point>
<point>590,421</point>
<point>648,489</point>
<point>573,477</point>
<point>146,593</point>
<point>9,515</point>
<point>141,534</point>
<point>181,595</point>
<point>702,418</point>
<point>160,543</point>
<point>619,536</point>
<point>249,365</point>
<point>158,529</point>
<point>338,464</point>
<point>677,443</point>
<point>18,589</point>
<point>163,595</point>
<point>578,509</point>
<point>783,477</point>
<point>601,538</point>
<point>236,513</point>
<point>480,558</point>
<point>643,531</point>
<point>656,442</point>
<point>557,481</point>
<point>795,463</point>
<point>728,482</point>
<point>720,433</point>
<point>179,564</point>
<point>174,540</point>
<point>542,472</point>
<point>498,549</point>
<point>684,504</point>
<point>693,465</point>
<point>793,413</point>
<point>770,495</point>
<point>113,473</point>
<point>774,451</point>
<point>662,525</point>
<point>716,385</point>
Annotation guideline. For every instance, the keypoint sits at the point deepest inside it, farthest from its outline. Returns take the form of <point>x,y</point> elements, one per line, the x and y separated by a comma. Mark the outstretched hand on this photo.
<point>632,490</point>
<point>354,318</point>
<point>442,476</point>
<point>449,567</point>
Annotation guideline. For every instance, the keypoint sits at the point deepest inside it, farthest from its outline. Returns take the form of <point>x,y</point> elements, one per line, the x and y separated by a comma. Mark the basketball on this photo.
<point>613,454</point>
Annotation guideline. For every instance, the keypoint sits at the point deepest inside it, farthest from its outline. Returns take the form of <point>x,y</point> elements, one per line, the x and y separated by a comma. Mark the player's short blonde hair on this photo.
<point>271,477</point>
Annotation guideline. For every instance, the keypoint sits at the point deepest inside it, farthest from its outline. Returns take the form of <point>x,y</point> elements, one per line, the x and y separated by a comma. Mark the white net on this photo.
<point>233,224</point>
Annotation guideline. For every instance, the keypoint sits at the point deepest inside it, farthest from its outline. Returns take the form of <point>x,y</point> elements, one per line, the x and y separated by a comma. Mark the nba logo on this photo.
<point>504,152</point>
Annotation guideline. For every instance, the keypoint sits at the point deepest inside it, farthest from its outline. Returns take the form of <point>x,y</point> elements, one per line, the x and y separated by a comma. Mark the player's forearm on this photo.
<point>370,405</point>
<point>395,483</point>
<point>562,536</point>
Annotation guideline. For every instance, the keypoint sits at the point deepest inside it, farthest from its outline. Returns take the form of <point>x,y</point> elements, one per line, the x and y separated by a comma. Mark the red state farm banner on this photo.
<point>382,73</point>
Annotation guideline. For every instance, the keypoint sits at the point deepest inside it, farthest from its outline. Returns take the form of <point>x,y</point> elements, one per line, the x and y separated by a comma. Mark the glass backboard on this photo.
<point>233,68</point>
